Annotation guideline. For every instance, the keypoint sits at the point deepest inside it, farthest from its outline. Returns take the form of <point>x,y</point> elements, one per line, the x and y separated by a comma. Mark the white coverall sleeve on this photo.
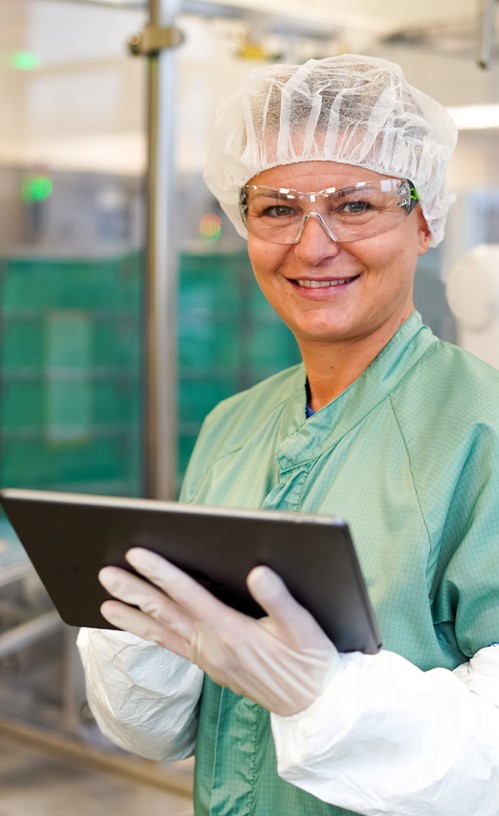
<point>386,737</point>
<point>144,698</point>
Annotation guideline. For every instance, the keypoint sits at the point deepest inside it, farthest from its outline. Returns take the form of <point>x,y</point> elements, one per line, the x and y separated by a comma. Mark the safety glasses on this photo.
<point>362,210</point>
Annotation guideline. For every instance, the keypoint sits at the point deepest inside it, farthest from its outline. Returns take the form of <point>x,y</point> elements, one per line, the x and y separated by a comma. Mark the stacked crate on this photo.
<point>71,363</point>
<point>70,374</point>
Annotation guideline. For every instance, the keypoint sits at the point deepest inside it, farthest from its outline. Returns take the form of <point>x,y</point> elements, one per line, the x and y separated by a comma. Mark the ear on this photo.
<point>424,234</point>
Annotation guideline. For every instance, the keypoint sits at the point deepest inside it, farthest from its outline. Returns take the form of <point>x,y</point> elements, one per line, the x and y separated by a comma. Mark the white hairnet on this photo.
<point>351,109</point>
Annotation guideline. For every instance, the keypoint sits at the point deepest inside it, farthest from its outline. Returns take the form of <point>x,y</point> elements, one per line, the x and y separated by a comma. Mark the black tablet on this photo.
<point>69,537</point>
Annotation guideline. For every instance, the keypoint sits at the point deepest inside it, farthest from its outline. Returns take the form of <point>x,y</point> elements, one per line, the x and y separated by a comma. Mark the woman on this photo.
<point>335,171</point>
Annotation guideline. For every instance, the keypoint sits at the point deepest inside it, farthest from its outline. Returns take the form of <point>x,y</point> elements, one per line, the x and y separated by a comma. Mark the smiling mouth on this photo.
<point>323,284</point>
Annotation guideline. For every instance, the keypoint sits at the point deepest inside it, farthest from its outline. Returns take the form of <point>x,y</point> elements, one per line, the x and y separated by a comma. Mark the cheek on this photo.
<point>393,254</point>
<point>265,258</point>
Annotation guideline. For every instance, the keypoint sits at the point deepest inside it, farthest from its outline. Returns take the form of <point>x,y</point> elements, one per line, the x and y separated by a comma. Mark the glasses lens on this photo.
<point>352,213</point>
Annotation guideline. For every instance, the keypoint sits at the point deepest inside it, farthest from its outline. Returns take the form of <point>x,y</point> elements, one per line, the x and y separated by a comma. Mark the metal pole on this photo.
<point>486,12</point>
<point>161,263</point>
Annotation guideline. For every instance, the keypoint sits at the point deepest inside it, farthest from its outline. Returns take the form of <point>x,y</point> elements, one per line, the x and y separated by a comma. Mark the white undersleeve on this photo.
<point>388,738</point>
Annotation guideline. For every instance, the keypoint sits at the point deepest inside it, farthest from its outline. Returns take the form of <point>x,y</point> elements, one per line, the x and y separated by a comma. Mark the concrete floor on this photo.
<point>38,780</point>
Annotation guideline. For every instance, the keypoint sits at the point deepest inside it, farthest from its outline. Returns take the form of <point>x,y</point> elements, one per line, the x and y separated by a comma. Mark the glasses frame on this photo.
<point>407,191</point>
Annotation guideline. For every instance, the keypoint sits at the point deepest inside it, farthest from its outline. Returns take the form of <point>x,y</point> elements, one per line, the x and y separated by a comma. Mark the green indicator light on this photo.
<point>38,188</point>
<point>24,61</point>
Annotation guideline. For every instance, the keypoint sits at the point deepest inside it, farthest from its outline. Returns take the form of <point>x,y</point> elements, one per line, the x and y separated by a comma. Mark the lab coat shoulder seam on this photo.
<point>411,470</point>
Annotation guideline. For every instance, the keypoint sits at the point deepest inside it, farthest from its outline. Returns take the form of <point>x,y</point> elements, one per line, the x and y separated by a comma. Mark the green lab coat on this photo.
<point>409,456</point>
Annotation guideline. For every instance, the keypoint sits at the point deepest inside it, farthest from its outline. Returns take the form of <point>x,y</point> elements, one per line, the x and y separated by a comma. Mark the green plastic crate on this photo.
<point>71,373</point>
<point>39,284</point>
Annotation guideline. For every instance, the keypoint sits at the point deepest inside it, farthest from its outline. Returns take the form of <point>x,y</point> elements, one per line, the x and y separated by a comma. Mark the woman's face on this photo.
<point>369,283</point>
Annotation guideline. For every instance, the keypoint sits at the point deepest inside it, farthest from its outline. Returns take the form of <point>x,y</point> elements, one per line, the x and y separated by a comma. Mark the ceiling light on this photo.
<point>475,117</point>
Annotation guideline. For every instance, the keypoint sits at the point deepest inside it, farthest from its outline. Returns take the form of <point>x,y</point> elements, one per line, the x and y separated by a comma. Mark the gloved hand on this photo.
<point>282,661</point>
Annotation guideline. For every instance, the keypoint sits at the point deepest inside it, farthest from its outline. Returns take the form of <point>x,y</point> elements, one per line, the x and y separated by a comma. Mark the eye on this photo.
<point>355,207</point>
<point>277,211</point>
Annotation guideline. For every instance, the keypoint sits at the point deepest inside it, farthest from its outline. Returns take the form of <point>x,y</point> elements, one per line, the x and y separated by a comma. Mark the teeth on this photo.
<point>319,284</point>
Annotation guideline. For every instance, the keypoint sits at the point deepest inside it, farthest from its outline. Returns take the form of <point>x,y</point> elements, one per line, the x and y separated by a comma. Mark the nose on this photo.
<point>315,240</point>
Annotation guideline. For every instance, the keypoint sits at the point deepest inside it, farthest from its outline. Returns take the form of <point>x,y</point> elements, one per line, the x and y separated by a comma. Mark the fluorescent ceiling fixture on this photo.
<point>475,117</point>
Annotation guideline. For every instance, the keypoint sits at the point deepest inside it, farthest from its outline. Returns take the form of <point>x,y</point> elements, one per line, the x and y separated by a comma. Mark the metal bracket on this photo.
<point>153,39</point>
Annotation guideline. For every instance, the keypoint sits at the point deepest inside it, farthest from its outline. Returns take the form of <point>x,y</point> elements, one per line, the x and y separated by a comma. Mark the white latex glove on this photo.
<point>283,661</point>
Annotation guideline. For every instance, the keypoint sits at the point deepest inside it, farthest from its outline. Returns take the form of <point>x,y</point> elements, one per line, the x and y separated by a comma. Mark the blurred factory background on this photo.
<point>81,407</point>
